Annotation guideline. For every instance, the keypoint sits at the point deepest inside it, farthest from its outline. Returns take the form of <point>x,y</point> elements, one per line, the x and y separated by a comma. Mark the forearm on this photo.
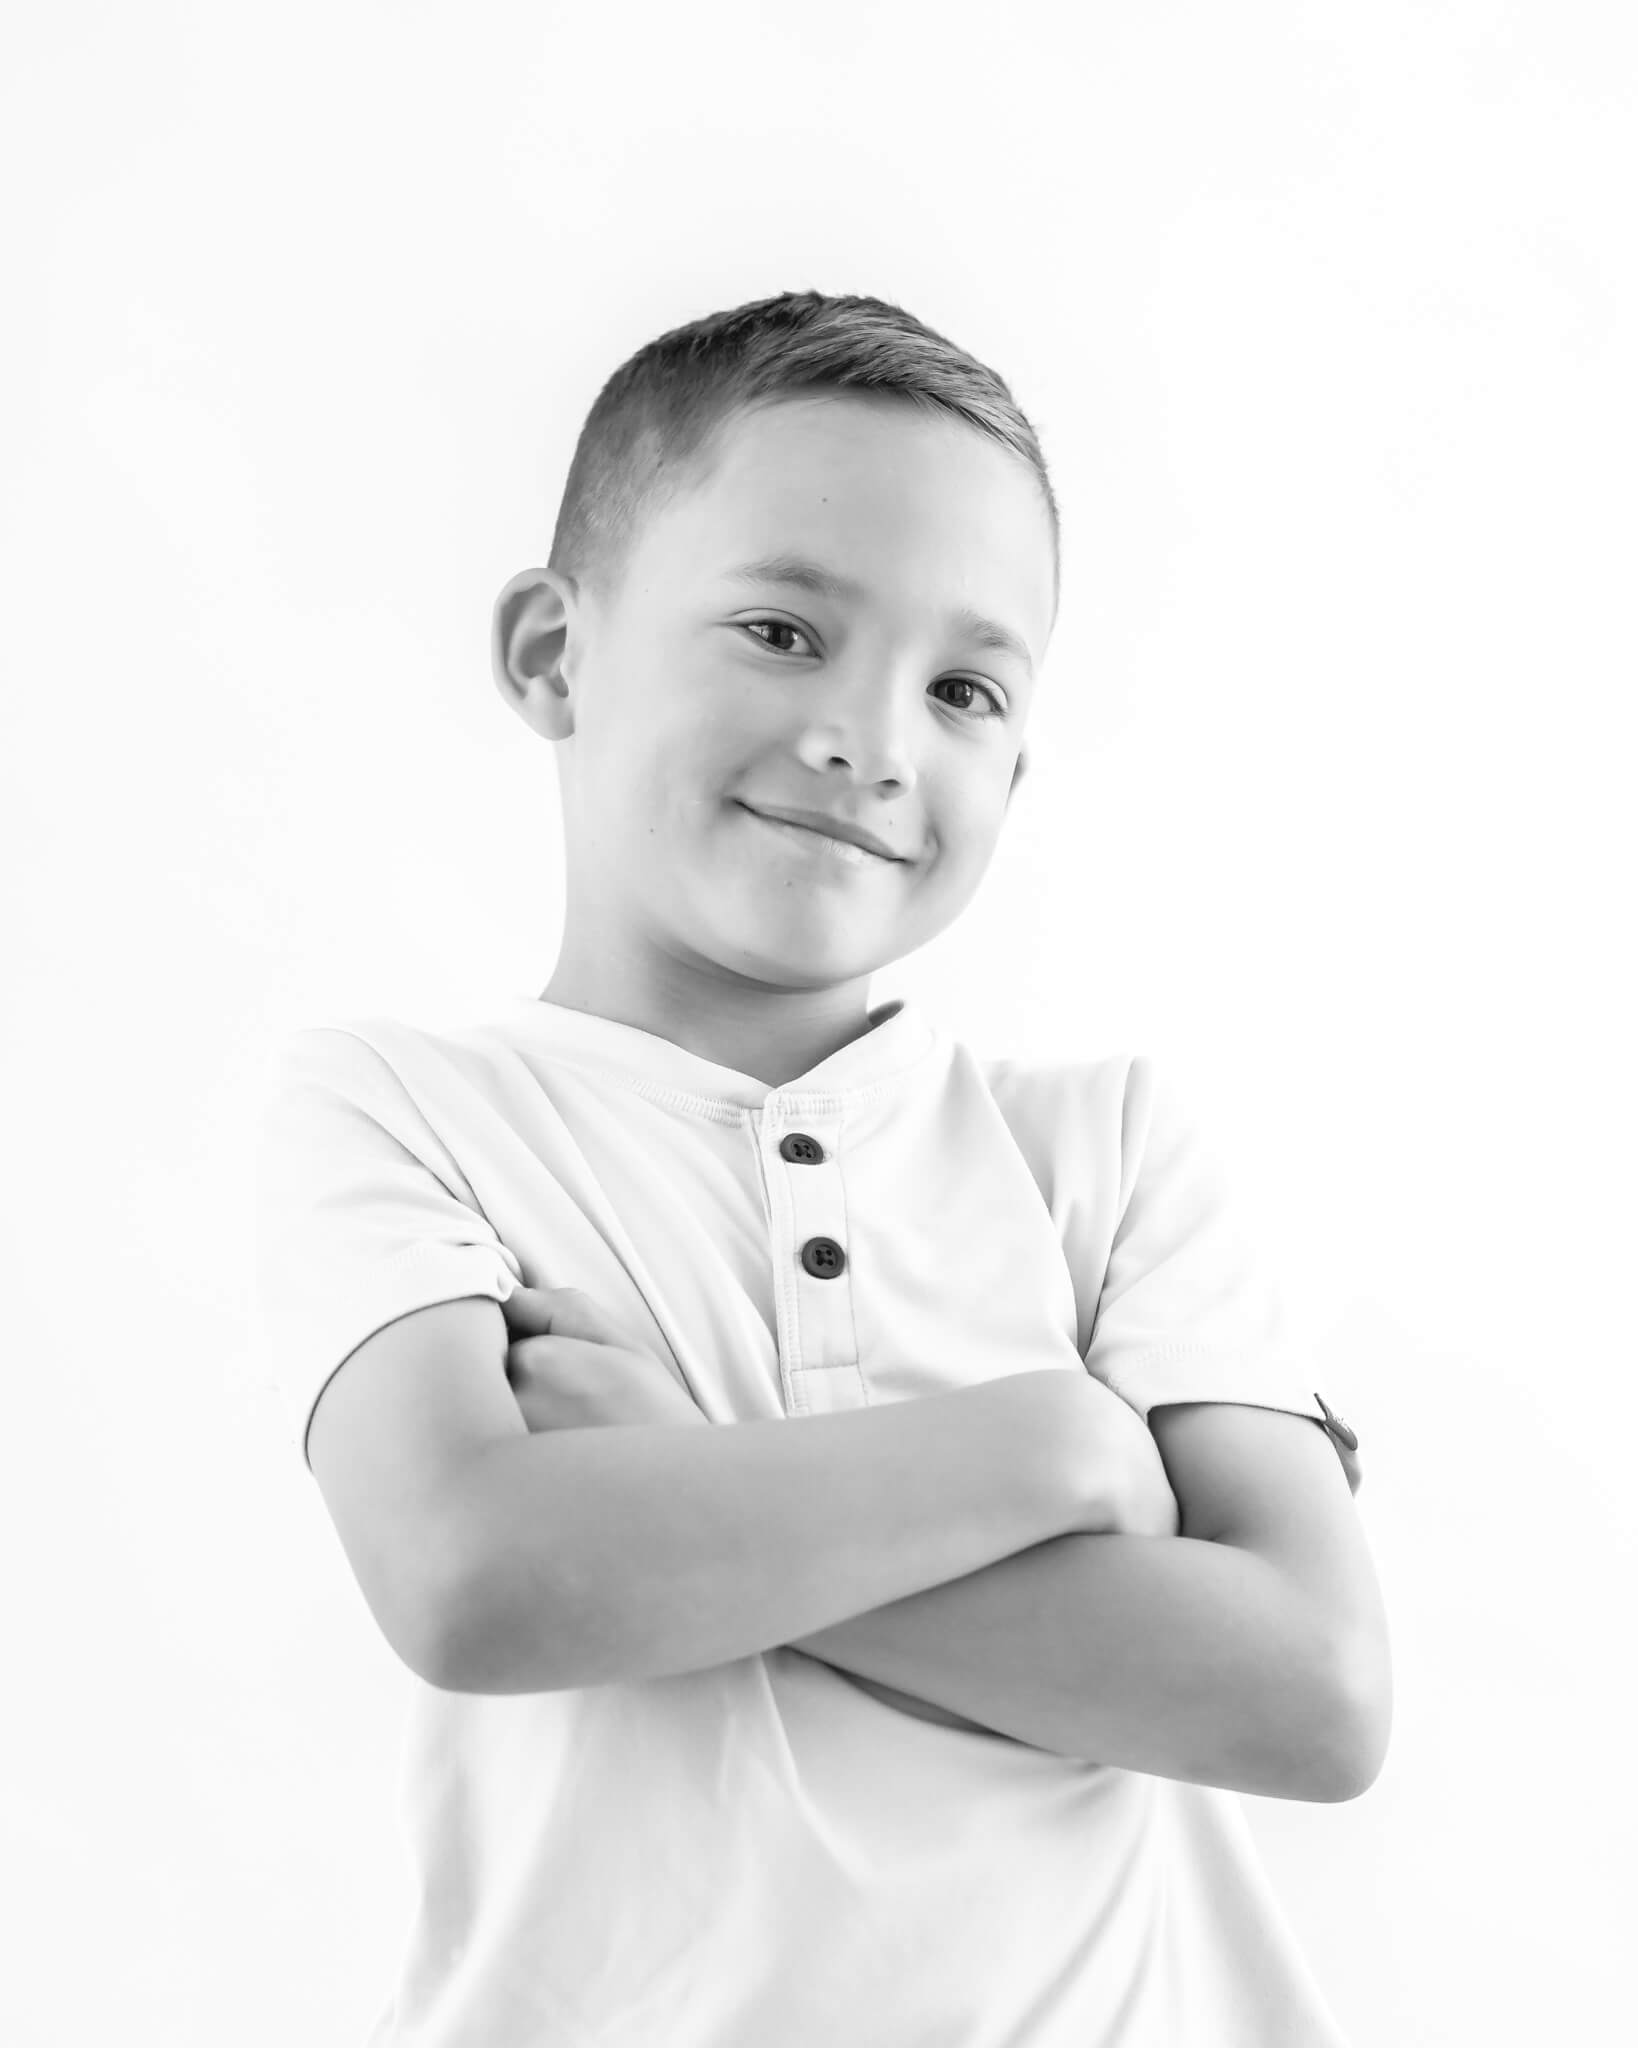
<point>594,1556</point>
<point>1180,1658</point>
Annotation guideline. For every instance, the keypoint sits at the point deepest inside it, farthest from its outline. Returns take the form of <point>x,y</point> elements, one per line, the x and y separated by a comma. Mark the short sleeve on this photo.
<point>1188,1309</point>
<point>362,1214</point>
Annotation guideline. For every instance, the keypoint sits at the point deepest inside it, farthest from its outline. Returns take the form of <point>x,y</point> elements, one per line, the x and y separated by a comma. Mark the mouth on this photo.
<point>817,845</point>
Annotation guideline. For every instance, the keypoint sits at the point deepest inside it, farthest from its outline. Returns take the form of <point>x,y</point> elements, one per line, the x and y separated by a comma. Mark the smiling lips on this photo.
<point>837,836</point>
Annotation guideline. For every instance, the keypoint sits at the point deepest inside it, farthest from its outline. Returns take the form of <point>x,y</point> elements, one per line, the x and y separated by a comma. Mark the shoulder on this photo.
<point>342,1050</point>
<point>1054,1096</point>
<point>1098,1120</point>
<point>381,1062</point>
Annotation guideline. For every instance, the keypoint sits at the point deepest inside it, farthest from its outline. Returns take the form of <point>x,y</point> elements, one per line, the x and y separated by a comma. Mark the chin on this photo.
<point>799,965</point>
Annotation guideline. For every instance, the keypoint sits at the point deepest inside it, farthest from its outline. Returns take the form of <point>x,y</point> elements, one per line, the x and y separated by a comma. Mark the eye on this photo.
<point>784,626</point>
<point>959,682</point>
<point>972,683</point>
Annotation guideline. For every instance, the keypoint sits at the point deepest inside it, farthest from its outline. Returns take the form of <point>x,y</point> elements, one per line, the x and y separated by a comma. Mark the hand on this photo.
<point>571,1365</point>
<point>1142,1497</point>
<point>1125,1487</point>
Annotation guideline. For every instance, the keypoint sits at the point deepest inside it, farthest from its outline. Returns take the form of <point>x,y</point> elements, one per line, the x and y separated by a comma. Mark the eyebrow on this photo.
<point>801,574</point>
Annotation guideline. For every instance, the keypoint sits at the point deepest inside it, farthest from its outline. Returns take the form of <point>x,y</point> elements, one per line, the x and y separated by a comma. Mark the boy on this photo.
<point>906,1706</point>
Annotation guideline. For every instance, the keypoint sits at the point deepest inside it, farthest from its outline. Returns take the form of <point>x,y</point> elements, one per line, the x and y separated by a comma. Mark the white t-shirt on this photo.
<point>763,1854</point>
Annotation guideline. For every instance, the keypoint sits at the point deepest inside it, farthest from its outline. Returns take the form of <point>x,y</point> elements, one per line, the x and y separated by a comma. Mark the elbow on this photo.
<point>444,1661</point>
<point>489,1634</point>
<point>439,1650</point>
<point>1360,1723</point>
<point>460,1649</point>
<point>460,1641</point>
<point>414,1613</point>
<point>1351,1771</point>
<point>442,1633</point>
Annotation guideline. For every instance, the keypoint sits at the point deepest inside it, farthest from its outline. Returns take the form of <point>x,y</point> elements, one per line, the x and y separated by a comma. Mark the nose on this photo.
<point>863,725</point>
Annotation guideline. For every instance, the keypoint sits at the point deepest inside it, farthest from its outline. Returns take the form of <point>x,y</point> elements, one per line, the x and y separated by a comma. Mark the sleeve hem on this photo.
<point>1184,1372</point>
<point>419,1276</point>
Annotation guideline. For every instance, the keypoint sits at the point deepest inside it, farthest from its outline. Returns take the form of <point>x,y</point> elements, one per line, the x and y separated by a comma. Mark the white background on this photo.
<point>1326,315</point>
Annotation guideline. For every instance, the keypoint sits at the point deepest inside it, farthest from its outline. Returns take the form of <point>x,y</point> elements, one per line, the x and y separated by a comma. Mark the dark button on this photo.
<point>801,1149</point>
<point>1335,1424</point>
<point>823,1257</point>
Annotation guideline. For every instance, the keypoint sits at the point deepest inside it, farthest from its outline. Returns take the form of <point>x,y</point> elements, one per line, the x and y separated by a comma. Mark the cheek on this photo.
<point>972,822</point>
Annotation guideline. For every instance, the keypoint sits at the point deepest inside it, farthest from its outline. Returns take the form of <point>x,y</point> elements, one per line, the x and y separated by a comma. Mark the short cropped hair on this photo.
<point>649,436</point>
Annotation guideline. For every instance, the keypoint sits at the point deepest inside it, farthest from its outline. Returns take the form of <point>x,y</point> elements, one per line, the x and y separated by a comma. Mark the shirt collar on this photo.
<point>900,1037</point>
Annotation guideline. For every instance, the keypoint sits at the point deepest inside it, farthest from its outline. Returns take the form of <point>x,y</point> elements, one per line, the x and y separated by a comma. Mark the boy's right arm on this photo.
<point>500,1561</point>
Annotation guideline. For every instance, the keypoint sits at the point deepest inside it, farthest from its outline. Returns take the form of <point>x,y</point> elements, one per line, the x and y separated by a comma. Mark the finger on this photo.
<point>529,1357</point>
<point>533,1309</point>
<point>562,1362</point>
<point>571,1312</point>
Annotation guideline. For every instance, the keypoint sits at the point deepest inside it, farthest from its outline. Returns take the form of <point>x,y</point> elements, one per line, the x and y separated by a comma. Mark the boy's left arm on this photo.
<point>1250,1651</point>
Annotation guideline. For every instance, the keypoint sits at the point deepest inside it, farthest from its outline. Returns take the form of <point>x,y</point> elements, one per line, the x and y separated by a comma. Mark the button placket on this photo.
<point>809,1246</point>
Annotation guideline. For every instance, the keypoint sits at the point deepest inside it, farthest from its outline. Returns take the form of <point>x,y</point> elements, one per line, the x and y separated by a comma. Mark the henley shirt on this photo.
<point>763,1854</point>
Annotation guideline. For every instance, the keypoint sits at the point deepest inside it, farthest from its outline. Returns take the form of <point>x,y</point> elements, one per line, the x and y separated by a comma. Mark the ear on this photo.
<point>527,638</point>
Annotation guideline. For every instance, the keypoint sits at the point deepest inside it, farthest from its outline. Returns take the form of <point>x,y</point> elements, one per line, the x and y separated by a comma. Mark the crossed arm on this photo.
<point>1250,1651</point>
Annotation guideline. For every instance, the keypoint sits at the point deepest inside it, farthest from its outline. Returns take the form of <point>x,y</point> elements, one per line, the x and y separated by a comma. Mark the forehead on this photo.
<point>883,497</point>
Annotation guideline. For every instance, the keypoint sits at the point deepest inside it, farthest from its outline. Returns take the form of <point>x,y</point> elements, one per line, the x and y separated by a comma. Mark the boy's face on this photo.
<point>698,698</point>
